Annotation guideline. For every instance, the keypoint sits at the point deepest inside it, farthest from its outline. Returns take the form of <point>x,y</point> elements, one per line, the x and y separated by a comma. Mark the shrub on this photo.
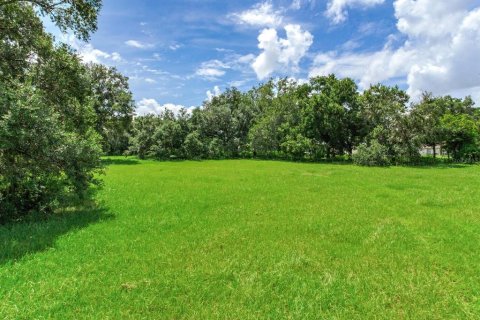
<point>215,150</point>
<point>374,154</point>
<point>194,147</point>
<point>297,147</point>
<point>41,161</point>
<point>469,153</point>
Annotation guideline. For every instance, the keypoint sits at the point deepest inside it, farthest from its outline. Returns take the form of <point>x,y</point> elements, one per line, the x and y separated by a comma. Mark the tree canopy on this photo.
<point>53,119</point>
<point>325,118</point>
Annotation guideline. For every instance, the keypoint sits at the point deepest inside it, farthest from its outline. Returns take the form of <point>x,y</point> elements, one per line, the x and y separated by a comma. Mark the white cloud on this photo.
<point>296,4</point>
<point>277,53</point>
<point>88,53</point>
<point>138,44</point>
<point>440,52</point>
<point>246,59</point>
<point>337,9</point>
<point>150,80</point>
<point>239,83</point>
<point>151,106</point>
<point>212,70</point>
<point>175,47</point>
<point>210,73</point>
<point>367,68</point>
<point>260,15</point>
<point>116,57</point>
<point>157,72</point>
<point>215,93</point>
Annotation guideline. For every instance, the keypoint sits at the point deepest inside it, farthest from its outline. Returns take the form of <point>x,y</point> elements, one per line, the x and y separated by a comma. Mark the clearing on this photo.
<point>244,239</point>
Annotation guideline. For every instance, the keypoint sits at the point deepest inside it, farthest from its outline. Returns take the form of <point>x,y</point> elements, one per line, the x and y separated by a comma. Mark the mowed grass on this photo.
<point>253,240</point>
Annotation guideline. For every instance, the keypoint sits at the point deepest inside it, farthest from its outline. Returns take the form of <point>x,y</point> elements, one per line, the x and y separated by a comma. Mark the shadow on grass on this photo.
<point>438,166</point>
<point>425,163</point>
<point>120,161</point>
<point>439,163</point>
<point>23,238</point>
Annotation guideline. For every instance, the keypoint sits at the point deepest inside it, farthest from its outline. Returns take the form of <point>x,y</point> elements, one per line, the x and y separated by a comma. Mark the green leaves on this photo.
<point>49,149</point>
<point>462,134</point>
<point>79,16</point>
<point>114,107</point>
<point>323,119</point>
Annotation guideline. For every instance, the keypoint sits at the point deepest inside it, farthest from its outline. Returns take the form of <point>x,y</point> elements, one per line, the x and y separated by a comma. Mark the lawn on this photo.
<point>253,240</point>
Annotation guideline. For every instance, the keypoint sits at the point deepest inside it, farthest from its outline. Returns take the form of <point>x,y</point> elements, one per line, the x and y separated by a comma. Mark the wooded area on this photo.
<point>325,118</point>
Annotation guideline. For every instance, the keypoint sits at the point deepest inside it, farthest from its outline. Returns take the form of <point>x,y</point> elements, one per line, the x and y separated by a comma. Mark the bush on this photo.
<point>194,148</point>
<point>215,150</point>
<point>469,153</point>
<point>297,147</point>
<point>374,154</point>
<point>41,161</point>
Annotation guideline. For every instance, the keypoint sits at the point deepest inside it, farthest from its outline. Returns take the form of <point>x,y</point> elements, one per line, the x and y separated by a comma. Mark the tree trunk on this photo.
<point>434,151</point>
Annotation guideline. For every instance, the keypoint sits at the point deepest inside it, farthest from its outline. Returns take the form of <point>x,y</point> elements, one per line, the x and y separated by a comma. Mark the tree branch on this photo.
<point>44,5</point>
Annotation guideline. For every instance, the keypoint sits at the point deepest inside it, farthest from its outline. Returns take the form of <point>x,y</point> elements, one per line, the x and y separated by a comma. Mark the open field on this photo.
<point>253,239</point>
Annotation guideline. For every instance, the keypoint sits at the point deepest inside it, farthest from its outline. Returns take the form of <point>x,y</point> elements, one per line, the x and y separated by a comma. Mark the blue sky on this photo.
<point>180,53</point>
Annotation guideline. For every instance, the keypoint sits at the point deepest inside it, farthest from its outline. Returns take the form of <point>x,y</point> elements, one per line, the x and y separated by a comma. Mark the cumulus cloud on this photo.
<point>260,15</point>
<point>212,94</point>
<point>337,9</point>
<point>151,106</point>
<point>138,44</point>
<point>277,53</point>
<point>439,53</point>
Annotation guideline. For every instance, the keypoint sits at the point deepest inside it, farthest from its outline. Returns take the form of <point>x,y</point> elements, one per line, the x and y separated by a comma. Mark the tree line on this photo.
<point>326,118</point>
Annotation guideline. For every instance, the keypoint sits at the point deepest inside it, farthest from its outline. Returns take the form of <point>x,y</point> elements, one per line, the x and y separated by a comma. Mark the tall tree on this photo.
<point>114,107</point>
<point>383,110</point>
<point>462,133</point>
<point>427,116</point>
<point>331,113</point>
<point>48,146</point>
<point>142,137</point>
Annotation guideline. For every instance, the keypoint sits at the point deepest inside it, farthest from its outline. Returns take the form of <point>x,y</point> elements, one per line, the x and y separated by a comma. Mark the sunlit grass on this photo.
<point>253,239</point>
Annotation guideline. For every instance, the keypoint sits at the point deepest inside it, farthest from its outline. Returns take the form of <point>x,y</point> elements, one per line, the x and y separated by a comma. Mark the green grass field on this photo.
<point>253,240</point>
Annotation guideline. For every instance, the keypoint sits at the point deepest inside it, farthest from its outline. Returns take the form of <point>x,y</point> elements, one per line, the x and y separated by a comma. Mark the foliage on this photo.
<point>326,118</point>
<point>42,160</point>
<point>79,16</point>
<point>331,114</point>
<point>49,149</point>
<point>373,154</point>
<point>462,136</point>
<point>298,147</point>
<point>194,147</point>
<point>141,140</point>
<point>114,107</point>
